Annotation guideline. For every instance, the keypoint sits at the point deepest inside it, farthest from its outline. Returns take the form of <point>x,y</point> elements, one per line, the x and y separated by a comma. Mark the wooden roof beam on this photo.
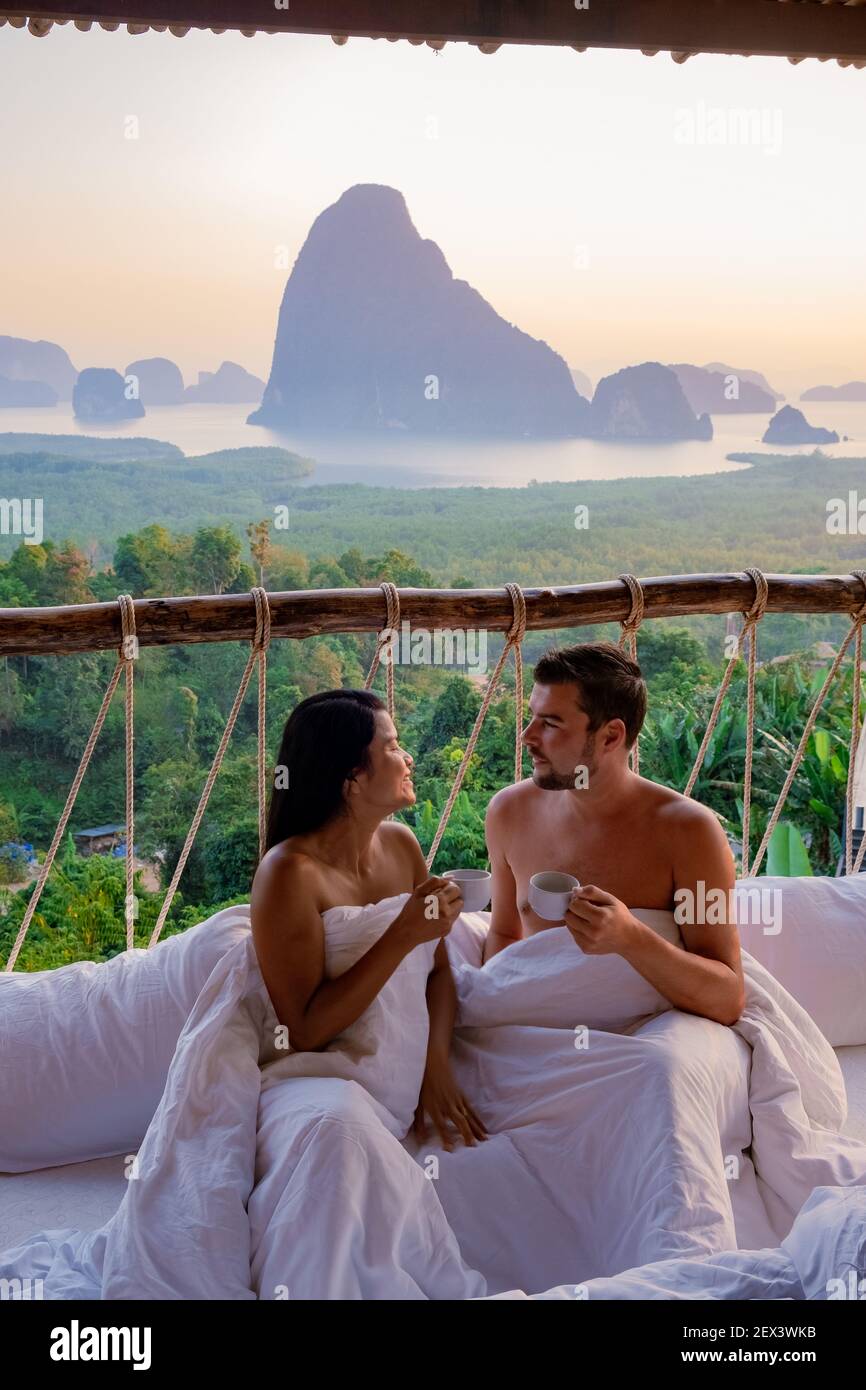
<point>767,27</point>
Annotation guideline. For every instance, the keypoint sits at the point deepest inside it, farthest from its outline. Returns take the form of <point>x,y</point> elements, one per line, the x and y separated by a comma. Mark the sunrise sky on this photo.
<point>587,196</point>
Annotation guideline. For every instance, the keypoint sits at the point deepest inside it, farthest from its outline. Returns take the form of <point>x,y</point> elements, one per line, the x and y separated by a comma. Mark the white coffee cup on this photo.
<point>474,885</point>
<point>550,893</point>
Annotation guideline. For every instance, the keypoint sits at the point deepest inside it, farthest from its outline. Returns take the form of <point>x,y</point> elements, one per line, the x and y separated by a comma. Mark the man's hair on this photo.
<point>610,683</point>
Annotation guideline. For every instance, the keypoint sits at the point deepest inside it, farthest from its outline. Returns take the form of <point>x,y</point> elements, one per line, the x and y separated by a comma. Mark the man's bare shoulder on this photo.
<point>511,800</point>
<point>682,816</point>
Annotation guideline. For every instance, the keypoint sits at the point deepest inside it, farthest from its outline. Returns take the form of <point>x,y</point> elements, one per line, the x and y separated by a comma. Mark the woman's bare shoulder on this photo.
<point>397,832</point>
<point>289,869</point>
<point>399,839</point>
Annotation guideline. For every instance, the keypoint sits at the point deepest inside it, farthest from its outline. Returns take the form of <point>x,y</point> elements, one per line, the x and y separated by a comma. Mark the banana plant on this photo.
<point>787,855</point>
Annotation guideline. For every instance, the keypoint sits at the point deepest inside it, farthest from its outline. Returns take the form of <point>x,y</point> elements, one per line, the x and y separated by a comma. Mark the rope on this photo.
<point>129,653</point>
<point>261,641</point>
<point>515,637</point>
<point>628,639</point>
<point>392,625</point>
<point>857,620</point>
<point>123,662</point>
<point>858,616</point>
<point>257,654</point>
<point>748,632</point>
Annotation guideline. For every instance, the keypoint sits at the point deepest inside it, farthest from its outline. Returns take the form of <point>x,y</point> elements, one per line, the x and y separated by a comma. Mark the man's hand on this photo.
<point>446,1105</point>
<point>600,924</point>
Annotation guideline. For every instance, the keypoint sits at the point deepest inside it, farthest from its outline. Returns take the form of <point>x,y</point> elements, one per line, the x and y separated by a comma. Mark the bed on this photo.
<point>85,1195</point>
<point>769,1089</point>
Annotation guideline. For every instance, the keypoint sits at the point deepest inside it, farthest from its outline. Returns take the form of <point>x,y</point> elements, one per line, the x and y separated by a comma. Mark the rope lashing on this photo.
<point>628,639</point>
<point>129,645</point>
<point>129,654</point>
<point>385,639</point>
<point>858,617</point>
<point>748,632</point>
<point>750,619</point>
<point>261,642</point>
<point>258,649</point>
<point>855,631</point>
<point>513,640</point>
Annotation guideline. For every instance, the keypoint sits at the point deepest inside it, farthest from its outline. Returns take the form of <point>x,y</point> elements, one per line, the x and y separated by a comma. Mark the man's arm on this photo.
<point>704,877</point>
<point>505,924</point>
<point>707,977</point>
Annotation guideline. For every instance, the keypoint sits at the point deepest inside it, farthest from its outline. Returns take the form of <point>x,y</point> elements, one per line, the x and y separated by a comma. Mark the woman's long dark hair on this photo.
<point>326,739</point>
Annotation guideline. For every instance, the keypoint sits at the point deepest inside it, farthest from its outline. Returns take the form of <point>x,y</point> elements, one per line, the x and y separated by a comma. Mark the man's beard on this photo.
<point>563,782</point>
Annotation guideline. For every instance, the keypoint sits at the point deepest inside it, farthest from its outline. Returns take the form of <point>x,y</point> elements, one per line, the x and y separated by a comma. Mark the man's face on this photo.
<point>557,737</point>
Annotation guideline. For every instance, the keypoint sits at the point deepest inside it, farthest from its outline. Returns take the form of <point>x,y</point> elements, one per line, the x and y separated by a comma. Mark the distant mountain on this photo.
<point>644,402</point>
<point>757,378</point>
<point>23,360</point>
<point>229,385</point>
<point>721,393</point>
<point>159,381</point>
<point>100,394</point>
<point>582,383</point>
<point>851,391</point>
<point>790,426</point>
<point>375,332</point>
<point>26,393</point>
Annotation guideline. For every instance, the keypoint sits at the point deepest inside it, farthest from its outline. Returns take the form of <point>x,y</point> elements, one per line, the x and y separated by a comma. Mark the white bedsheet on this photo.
<point>605,1175</point>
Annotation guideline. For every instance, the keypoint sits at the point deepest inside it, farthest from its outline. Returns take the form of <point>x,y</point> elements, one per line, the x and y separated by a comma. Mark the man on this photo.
<point>630,842</point>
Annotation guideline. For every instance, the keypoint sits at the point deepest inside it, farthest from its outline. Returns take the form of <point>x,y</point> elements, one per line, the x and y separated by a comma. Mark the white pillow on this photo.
<point>85,1049</point>
<point>811,934</point>
<point>546,981</point>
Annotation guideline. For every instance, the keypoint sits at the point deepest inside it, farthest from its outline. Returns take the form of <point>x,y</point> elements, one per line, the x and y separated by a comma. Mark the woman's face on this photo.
<point>386,784</point>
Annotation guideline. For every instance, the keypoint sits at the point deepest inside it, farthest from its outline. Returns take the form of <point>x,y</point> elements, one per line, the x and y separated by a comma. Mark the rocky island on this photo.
<point>790,426</point>
<point>645,402</point>
<point>159,381</point>
<point>100,394</point>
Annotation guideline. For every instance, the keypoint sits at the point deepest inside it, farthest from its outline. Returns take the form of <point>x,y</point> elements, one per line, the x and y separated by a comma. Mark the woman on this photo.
<point>349,929</point>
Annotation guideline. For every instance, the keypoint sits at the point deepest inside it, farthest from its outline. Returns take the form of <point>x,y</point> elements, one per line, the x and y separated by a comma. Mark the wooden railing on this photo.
<point>310,613</point>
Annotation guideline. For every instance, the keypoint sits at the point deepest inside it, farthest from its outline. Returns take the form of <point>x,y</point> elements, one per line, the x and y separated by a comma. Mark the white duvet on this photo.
<point>636,1151</point>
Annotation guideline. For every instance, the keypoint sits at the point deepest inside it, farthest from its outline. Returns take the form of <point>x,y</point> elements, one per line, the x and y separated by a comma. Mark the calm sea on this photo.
<point>399,461</point>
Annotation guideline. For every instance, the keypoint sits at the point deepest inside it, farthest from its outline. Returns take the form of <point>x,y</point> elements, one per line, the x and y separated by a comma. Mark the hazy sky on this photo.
<point>589,197</point>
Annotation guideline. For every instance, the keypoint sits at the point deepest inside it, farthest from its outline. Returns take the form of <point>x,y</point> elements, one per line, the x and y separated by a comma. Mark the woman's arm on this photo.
<point>289,939</point>
<point>442,1007</point>
<point>441,1097</point>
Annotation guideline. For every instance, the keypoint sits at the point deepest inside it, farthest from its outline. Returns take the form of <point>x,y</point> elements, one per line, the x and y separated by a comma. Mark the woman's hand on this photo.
<point>429,913</point>
<point>442,1099</point>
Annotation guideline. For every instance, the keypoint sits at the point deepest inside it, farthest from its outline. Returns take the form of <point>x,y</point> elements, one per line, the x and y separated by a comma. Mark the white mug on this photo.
<point>550,893</point>
<point>474,885</point>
